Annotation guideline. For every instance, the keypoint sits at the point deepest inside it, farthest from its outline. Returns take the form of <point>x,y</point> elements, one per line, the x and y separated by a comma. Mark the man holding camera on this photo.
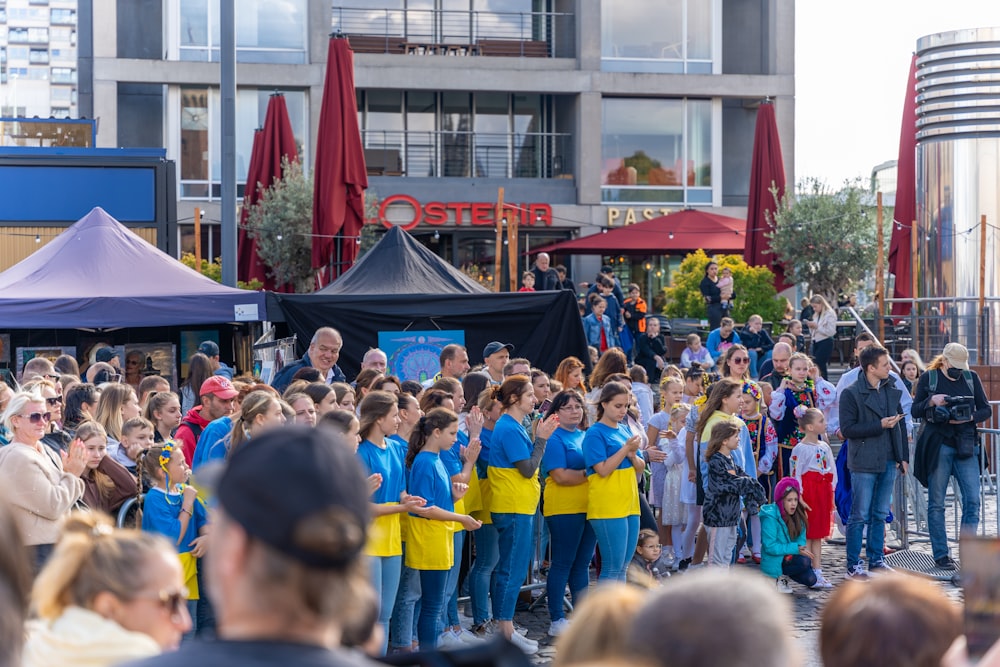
<point>951,401</point>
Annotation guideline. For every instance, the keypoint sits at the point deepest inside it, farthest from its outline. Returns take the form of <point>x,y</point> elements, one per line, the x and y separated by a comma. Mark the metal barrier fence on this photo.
<point>935,322</point>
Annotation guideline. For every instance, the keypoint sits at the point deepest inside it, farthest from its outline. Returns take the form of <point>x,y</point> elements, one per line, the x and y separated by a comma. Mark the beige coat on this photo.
<point>37,491</point>
<point>81,638</point>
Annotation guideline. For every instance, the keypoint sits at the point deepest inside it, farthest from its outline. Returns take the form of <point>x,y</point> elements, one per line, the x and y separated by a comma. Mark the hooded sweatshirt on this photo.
<point>82,638</point>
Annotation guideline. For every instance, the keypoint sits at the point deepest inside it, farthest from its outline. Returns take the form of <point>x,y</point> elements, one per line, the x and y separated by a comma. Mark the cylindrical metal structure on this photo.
<point>958,181</point>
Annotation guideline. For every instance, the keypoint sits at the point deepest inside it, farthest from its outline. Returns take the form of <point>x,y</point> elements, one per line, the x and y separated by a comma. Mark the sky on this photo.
<point>851,62</point>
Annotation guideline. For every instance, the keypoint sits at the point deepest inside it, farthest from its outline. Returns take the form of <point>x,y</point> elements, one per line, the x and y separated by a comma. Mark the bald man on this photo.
<point>546,277</point>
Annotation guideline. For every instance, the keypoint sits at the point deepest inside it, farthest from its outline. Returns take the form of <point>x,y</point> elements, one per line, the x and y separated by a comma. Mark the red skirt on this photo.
<point>817,492</point>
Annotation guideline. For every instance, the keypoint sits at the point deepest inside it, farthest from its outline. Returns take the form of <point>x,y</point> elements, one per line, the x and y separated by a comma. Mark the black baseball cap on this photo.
<point>301,491</point>
<point>209,348</point>
<point>607,269</point>
<point>496,346</point>
<point>105,354</point>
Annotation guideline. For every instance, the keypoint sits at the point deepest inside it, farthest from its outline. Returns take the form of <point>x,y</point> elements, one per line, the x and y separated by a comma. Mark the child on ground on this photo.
<point>814,467</point>
<point>645,569</point>
<point>764,443</point>
<point>727,483</point>
<point>726,288</point>
<point>172,509</point>
<point>784,555</point>
<point>527,282</point>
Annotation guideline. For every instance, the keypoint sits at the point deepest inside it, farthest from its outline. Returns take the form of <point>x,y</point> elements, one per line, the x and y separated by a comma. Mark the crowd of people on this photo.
<point>481,479</point>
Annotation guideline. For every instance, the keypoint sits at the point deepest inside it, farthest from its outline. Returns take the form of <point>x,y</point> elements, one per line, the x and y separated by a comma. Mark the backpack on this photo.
<point>196,429</point>
<point>966,375</point>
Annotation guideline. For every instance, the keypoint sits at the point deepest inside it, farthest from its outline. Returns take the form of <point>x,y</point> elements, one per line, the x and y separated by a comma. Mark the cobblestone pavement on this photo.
<point>807,604</point>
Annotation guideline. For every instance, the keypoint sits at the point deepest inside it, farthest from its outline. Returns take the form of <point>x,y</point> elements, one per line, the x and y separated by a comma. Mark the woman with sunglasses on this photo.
<point>55,437</point>
<point>39,485</point>
<point>107,596</point>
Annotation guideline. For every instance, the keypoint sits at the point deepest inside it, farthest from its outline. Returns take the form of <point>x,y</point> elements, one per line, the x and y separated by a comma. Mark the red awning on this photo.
<point>340,177</point>
<point>677,233</point>
<point>767,170</point>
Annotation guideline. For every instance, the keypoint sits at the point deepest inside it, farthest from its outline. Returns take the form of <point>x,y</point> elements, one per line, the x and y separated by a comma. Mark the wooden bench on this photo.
<point>375,44</point>
<point>513,48</point>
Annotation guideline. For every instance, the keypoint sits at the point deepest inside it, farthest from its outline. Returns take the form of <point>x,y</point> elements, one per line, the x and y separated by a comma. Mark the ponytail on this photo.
<point>92,429</point>
<point>437,418</point>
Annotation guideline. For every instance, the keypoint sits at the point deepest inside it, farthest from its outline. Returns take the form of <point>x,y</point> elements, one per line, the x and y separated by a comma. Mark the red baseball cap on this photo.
<point>219,386</point>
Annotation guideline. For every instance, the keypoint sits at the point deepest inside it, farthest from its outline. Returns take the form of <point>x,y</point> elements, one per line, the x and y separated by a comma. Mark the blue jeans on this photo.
<point>799,568</point>
<point>385,572</point>
<point>871,497</point>
<point>616,539</point>
<point>481,572</point>
<point>401,625</point>
<point>432,586</point>
<point>450,616</point>
<point>966,472</point>
<point>515,542</point>
<point>573,542</point>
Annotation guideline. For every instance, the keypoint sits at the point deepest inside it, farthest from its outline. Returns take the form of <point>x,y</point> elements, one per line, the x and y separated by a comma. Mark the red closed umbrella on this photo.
<point>270,144</point>
<point>340,177</point>
<point>905,212</point>
<point>767,171</point>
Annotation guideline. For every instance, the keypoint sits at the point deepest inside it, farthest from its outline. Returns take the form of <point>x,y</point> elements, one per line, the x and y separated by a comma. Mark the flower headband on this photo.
<point>753,389</point>
<point>165,453</point>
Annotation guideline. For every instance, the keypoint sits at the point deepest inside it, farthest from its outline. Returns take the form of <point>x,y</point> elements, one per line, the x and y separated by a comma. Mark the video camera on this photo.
<point>955,408</point>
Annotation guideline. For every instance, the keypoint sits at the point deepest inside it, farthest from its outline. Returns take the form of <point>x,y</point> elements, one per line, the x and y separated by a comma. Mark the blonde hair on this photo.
<point>255,403</point>
<point>92,557</point>
<point>109,408</point>
<point>665,382</point>
<point>680,410</point>
<point>600,627</point>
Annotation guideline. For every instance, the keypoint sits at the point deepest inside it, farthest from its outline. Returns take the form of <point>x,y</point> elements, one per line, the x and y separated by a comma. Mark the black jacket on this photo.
<point>861,412</point>
<point>710,291</point>
<point>756,341</point>
<point>646,348</point>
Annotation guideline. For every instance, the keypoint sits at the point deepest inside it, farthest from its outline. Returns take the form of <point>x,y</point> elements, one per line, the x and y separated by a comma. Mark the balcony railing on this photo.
<point>466,33</point>
<point>468,154</point>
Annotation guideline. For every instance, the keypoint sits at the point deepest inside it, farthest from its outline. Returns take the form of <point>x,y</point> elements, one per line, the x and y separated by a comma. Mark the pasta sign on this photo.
<point>406,212</point>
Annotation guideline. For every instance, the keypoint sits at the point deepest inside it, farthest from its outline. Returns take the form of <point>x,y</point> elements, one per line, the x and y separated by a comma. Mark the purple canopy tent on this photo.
<point>98,274</point>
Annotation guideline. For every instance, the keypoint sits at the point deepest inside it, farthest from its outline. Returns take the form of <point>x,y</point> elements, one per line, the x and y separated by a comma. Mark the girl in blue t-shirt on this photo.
<point>172,509</point>
<point>429,544</point>
<point>379,420</point>
<point>613,460</point>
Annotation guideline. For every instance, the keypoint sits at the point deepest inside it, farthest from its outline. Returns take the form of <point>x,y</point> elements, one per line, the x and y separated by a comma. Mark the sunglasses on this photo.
<point>38,417</point>
<point>54,400</point>
<point>173,601</point>
<point>741,360</point>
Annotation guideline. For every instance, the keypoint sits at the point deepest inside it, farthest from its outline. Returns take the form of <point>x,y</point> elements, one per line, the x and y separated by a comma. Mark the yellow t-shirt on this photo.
<point>430,545</point>
<point>617,495</point>
<point>564,450</point>
<point>513,493</point>
<point>384,536</point>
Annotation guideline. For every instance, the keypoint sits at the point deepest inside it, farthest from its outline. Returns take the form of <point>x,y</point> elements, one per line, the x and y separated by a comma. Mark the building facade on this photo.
<point>589,113</point>
<point>38,58</point>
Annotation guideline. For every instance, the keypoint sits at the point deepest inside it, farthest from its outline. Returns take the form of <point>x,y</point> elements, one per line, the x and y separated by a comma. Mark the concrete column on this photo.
<point>320,16</point>
<point>105,45</point>
<point>588,148</point>
<point>588,34</point>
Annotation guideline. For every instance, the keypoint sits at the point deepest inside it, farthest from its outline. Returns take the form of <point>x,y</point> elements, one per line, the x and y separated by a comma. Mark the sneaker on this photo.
<point>467,637</point>
<point>822,582</point>
<point>756,559</point>
<point>879,567</point>
<point>556,628</point>
<point>945,563</point>
<point>484,629</point>
<point>520,629</point>
<point>857,572</point>
<point>526,645</point>
<point>683,564</point>
<point>784,584</point>
<point>449,640</point>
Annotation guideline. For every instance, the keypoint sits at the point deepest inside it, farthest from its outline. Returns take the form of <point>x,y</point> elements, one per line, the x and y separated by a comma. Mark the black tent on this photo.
<point>401,285</point>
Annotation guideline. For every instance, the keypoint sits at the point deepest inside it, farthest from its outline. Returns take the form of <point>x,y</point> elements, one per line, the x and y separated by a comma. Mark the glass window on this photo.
<point>456,131</point>
<point>201,135</point>
<point>267,31</point>
<point>492,135</point>
<point>657,35</point>
<point>656,150</point>
<point>421,119</point>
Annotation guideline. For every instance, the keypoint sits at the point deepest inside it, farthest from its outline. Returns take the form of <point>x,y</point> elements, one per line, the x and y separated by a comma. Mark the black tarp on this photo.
<point>400,285</point>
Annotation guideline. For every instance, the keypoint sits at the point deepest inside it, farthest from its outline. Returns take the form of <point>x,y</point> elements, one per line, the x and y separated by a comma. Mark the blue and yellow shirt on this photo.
<point>512,492</point>
<point>429,543</point>
<point>564,450</point>
<point>617,495</point>
<point>384,537</point>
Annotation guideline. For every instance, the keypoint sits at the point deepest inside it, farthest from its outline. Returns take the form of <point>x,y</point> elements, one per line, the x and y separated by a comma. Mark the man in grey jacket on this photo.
<point>870,418</point>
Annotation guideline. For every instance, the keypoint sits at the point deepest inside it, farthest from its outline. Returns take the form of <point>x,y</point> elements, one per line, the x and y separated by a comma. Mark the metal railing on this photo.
<point>467,154</point>
<point>935,322</point>
<point>385,30</point>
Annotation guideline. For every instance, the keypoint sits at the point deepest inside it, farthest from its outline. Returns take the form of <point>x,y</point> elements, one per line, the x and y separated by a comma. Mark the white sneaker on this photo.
<point>449,640</point>
<point>821,582</point>
<point>783,584</point>
<point>526,645</point>
<point>556,628</point>
<point>467,637</point>
<point>521,630</point>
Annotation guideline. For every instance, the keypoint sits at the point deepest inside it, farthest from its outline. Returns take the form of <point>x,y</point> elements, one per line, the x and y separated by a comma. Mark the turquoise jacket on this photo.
<point>775,543</point>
